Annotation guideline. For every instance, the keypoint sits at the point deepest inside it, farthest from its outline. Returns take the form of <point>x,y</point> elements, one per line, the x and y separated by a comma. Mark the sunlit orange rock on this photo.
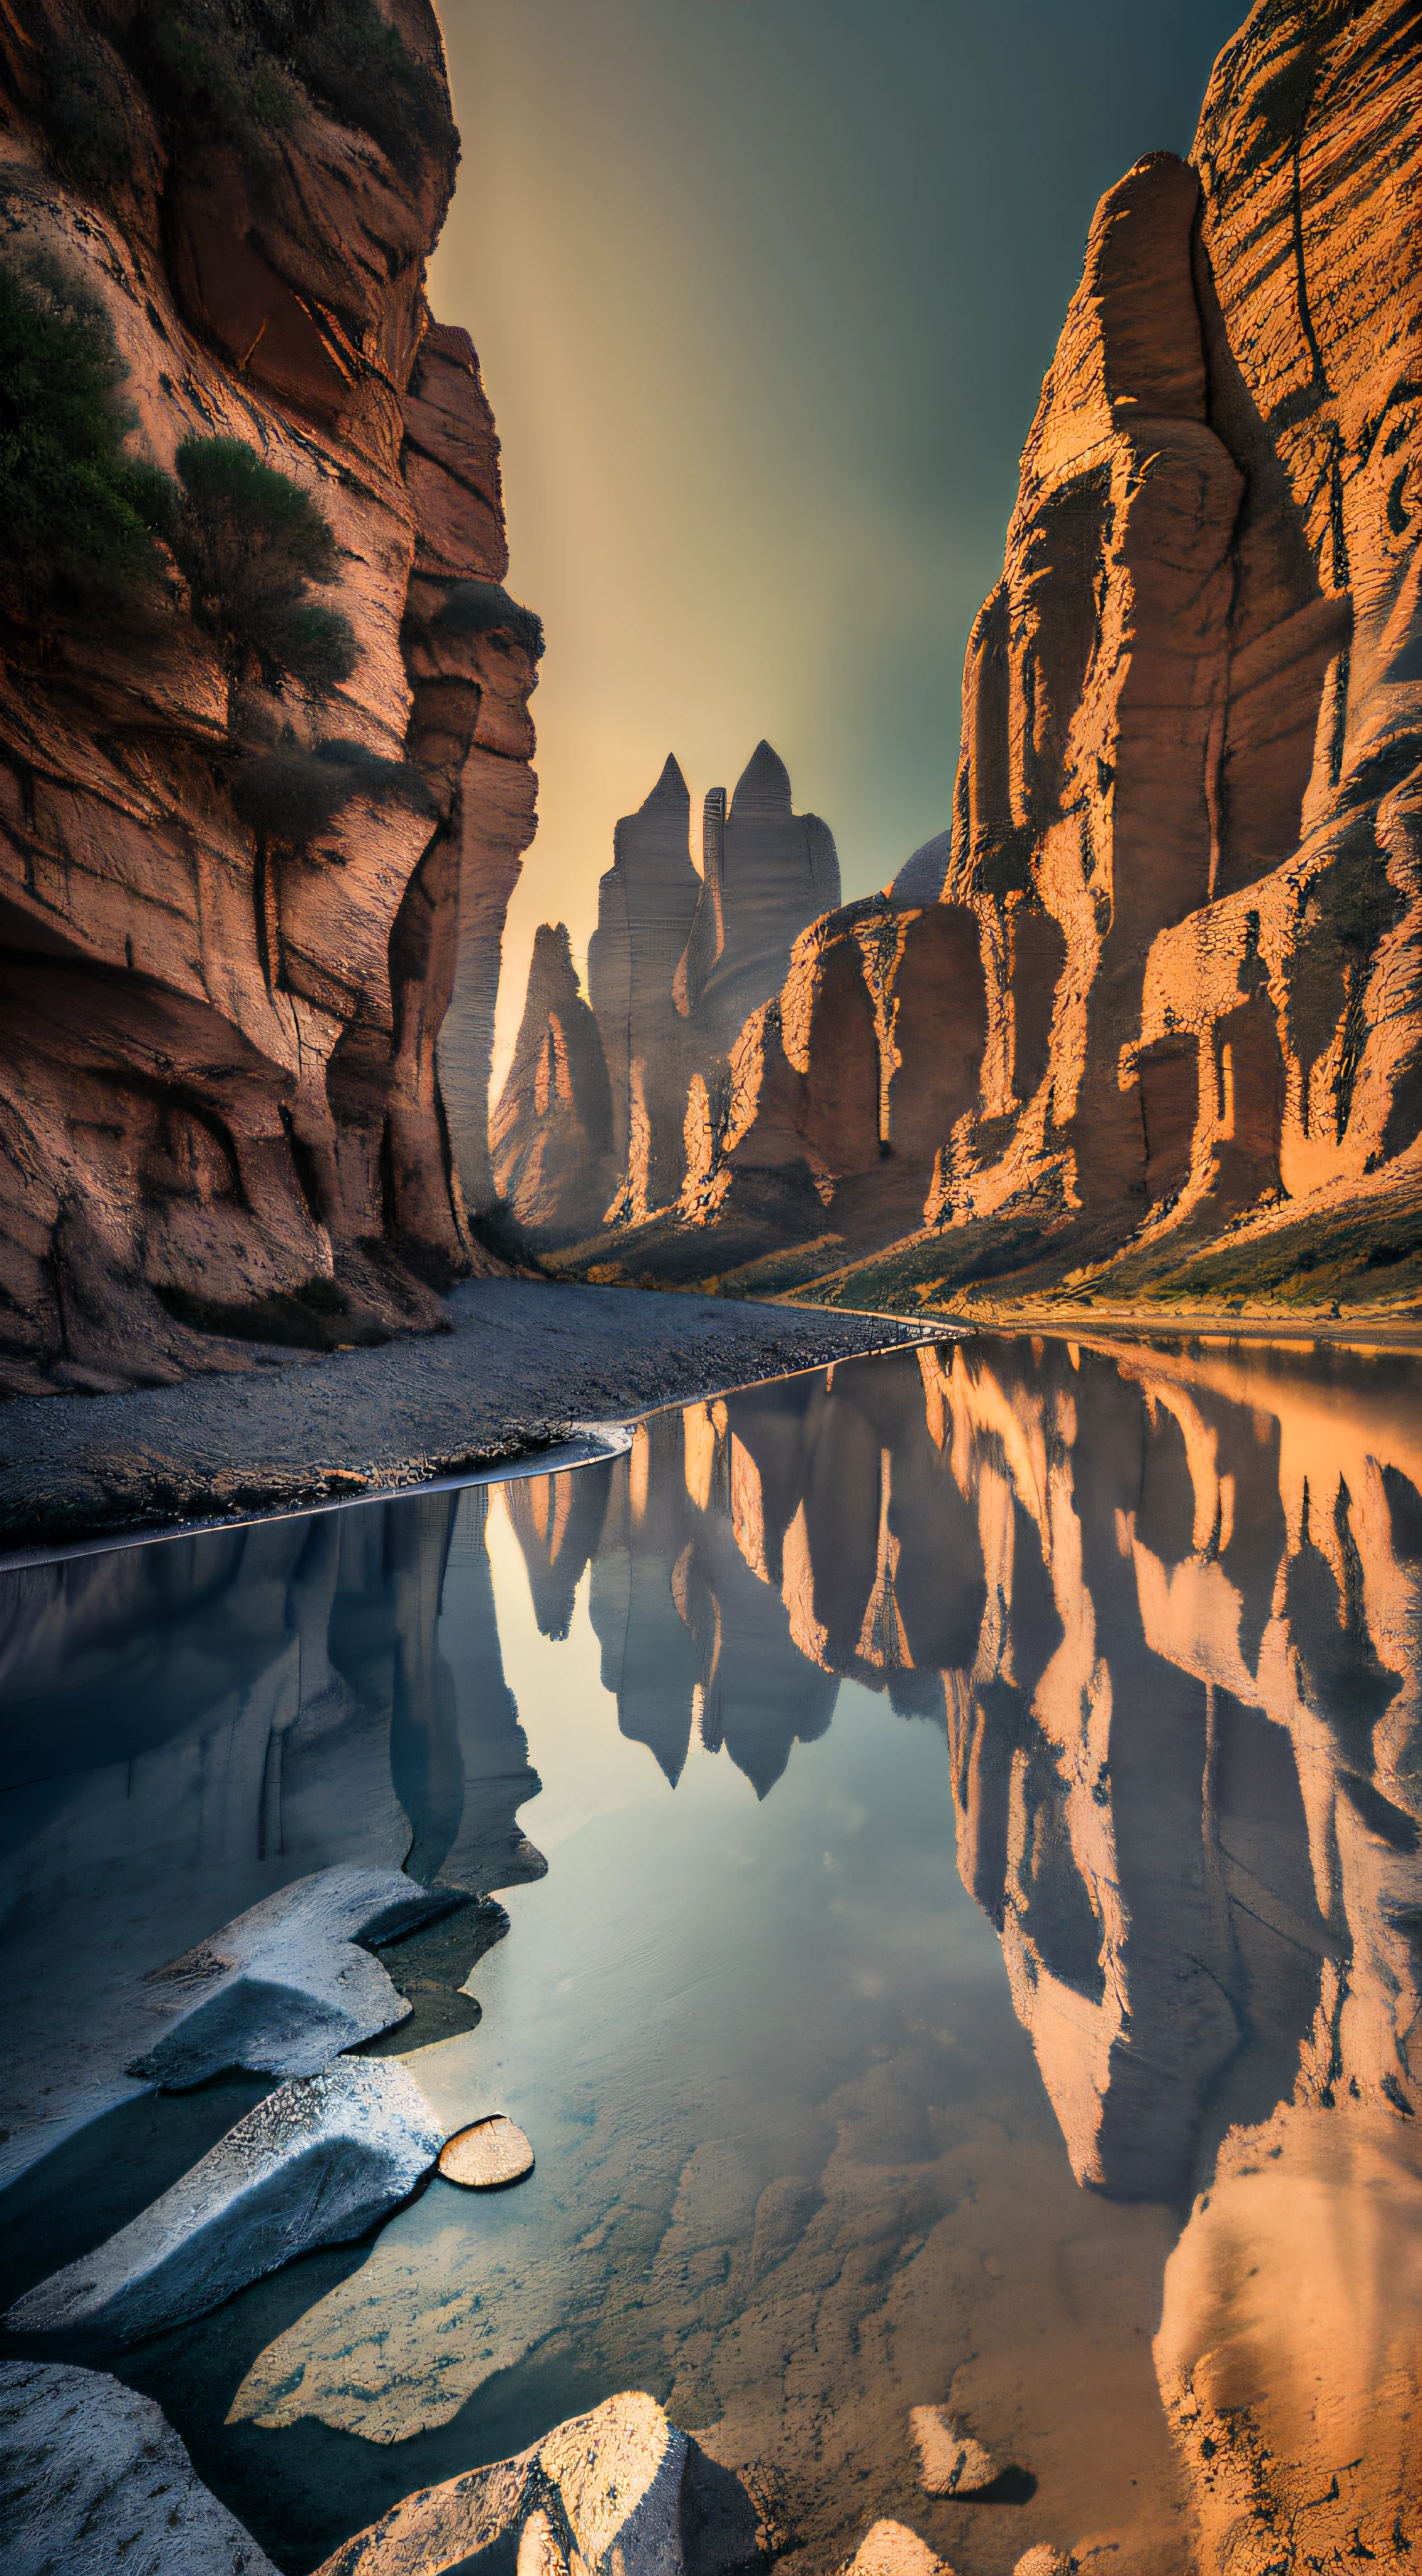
<point>226,1109</point>
<point>678,961</point>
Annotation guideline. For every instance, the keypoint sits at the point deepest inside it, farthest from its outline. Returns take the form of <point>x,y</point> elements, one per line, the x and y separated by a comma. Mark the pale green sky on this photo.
<point>764,291</point>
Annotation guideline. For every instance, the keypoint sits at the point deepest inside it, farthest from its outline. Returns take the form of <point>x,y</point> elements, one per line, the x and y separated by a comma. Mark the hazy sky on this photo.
<point>764,291</point>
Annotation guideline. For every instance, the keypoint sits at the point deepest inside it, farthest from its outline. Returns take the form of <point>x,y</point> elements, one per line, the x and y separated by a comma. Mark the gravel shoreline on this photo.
<point>524,1364</point>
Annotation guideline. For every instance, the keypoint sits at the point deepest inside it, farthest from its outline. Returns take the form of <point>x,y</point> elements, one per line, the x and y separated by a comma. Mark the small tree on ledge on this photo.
<point>251,543</point>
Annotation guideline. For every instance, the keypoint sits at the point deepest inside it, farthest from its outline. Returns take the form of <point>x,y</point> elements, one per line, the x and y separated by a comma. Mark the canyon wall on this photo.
<point>1168,1042</point>
<point>256,835</point>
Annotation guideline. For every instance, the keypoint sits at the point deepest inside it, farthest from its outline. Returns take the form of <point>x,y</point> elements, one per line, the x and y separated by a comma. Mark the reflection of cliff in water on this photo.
<point>304,1691</point>
<point>1171,1606</point>
<point>195,1723</point>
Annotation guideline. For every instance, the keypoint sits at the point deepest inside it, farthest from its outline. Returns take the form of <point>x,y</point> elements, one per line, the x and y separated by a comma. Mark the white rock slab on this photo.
<point>606,2486</point>
<point>486,2155</point>
<point>93,2478</point>
<point>283,1989</point>
<point>85,2013</point>
<point>951,2461</point>
<point>315,2164</point>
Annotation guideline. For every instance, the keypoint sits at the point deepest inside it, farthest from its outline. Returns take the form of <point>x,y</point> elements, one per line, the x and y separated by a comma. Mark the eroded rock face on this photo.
<point>855,1078</point>
<point>552,1130</point>
<point>221,1081</point>
<point>317,2163</point>
<point>767,872</point>
<point>1184,848</point>
<point>96,2478</point>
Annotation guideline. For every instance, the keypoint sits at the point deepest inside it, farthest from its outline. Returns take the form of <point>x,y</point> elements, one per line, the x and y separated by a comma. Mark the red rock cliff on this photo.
<point>235,904</point>
<point>1184,852</point>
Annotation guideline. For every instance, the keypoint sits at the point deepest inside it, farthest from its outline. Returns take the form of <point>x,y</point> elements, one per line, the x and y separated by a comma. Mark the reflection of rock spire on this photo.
<point>882,1641</point>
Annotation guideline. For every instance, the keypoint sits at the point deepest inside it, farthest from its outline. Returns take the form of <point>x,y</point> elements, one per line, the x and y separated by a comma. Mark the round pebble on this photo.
<point>486,2154</point>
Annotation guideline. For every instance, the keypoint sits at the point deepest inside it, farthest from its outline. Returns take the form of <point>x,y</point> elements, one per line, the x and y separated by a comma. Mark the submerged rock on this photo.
<point>283,1989</point>
<point>951,2462</point>
<point>317,2163</point>
<point>486,2154</point>
<point>891,2549</point>
<point>1044,2560</point>
<point>605,2485</point>
<point>94,2477</point>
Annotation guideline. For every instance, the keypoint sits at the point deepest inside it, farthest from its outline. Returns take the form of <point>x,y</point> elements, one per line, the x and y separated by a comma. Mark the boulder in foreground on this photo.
<point>951,2462</point>
<point>891,2549</point>
<point>95,2478</point>
<point>606,2486</point>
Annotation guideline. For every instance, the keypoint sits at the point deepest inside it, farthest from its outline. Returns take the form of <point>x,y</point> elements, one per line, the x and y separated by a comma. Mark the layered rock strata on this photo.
<point>1184,849</point>
<point>238,906</point>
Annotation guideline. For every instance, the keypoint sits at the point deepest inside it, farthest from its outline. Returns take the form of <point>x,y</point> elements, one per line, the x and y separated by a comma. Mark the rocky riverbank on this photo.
<point>523,1363</point>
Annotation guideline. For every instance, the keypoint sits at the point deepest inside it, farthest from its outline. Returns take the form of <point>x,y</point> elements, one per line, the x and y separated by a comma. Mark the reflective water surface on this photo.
<point>967,1949</point>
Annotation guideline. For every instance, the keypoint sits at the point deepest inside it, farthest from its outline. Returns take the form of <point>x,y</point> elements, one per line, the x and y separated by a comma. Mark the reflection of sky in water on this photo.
<point>845,1697</point>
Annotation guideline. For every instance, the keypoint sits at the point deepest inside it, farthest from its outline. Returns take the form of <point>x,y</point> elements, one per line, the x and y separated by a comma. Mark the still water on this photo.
<point>958,1816</point>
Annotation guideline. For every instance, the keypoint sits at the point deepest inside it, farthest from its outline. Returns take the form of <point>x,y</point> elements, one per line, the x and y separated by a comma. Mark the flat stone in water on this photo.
<point>486,2154</point>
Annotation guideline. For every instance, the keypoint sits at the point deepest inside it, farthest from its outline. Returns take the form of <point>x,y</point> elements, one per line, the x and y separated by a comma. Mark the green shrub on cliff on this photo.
<point>290,794</point>
<point>251,544</point>
<point>483,608</point>
<point>245,69</point>
<point>78,514</point>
